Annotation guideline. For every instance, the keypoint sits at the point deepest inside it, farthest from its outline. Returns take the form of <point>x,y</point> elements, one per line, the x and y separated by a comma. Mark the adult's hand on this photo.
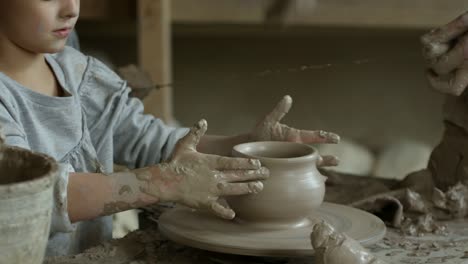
<point>446,52</point>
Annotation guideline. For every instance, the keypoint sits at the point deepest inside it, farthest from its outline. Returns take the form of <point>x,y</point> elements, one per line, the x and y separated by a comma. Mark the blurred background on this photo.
<point>351,66</point>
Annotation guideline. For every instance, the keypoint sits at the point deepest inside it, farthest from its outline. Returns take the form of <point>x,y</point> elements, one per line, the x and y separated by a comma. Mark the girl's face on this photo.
<point>38,26</point>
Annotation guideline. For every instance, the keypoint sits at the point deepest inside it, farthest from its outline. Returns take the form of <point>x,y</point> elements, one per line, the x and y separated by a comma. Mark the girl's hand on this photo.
<point>198,180</point>
<point>270,129</point>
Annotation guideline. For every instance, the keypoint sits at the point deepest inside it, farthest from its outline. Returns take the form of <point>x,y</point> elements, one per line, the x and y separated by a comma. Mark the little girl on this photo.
<point>57,101</point>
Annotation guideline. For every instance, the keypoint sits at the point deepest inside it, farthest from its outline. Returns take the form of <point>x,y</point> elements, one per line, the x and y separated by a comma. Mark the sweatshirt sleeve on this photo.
<point>16,136</point>
<point>117,123</point>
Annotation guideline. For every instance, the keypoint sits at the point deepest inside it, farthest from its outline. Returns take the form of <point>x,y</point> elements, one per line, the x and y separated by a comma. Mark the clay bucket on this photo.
<point>293,191</point>
<point>26,186</point>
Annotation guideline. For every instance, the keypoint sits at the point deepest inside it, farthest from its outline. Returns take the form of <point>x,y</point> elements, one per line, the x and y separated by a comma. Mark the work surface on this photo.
<point>148,246</point>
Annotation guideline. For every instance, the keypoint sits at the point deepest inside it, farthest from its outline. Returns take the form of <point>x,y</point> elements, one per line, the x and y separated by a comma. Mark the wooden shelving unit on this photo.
<point>153,22</point>
<point>154,19</point>
<point>350,13</point>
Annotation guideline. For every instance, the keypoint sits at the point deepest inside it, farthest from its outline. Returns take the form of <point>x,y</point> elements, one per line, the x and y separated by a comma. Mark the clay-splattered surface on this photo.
<point>451,248</point>
<point>147,247</point>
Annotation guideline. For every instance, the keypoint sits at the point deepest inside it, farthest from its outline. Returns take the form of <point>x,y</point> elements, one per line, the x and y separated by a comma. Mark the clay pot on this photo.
<point>294,190</point>
<point>26,186</point>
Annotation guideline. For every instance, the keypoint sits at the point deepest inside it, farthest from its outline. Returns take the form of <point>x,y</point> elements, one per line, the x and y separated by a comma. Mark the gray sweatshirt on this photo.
<point>89,130</point>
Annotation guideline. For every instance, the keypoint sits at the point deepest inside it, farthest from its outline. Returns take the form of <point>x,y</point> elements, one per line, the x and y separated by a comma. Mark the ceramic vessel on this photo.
<point>294,190</point>
<point>26,186</point>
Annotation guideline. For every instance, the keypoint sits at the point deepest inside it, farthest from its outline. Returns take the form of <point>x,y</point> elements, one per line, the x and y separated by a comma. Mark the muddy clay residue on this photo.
<point>125,190</point>
<point>332,247</point>
<point>120,206</point>
<point>418,213</point>
<point>137,247</point>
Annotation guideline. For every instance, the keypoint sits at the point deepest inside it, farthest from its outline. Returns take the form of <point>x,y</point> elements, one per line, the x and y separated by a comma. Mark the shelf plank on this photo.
<point>108,9</point>
<point>352,13</point>
<point>154,52</point>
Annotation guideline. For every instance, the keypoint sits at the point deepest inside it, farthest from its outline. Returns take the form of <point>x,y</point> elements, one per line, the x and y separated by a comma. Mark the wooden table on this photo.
<point>148,247</point>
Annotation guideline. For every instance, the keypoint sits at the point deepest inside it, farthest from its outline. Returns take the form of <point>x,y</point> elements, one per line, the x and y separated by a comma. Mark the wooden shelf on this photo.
<point>108,9</point>
<point>355,13</point>
<point>149,22</point>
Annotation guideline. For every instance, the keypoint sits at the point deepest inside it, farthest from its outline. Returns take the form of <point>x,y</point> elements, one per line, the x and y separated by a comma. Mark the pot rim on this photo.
<point>37,184</point>
<point>239,150</point>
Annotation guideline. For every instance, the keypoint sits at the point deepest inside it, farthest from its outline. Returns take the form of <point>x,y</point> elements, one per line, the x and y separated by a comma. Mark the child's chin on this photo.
<point>55,49</point>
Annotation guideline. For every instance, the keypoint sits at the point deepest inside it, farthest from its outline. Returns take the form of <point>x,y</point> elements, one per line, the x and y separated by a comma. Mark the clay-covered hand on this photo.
<point>446,52</point>
<point>198,180</point>
<point>270,129</point>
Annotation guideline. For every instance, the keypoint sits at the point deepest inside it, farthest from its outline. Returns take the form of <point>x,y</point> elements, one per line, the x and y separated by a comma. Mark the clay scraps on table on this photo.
<point>411,207</point>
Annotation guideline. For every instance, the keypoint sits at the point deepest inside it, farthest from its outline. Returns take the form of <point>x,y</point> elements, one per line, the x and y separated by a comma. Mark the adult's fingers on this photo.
<point>246,175</point>
<point>328,161</point>
<point>221,211</point>
<point>454,83</point>
<point>434,50</point>
<point>280,110</point>
<point>451,60</point>
<point>192,139</point>
<point>227,189</point>
<point>448,32</point>
<point>439,41</point>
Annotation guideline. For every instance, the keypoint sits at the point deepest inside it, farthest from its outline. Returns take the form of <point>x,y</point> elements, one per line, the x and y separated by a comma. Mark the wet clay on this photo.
<point>294,179</point>
<point>125,189</point>
<point>126,192</point>
<point>421,225</point>
<point>137,245</point>
<point>453,202</point>
<point>332,247</point>
<point>414,213</point>
<point>26,204</point>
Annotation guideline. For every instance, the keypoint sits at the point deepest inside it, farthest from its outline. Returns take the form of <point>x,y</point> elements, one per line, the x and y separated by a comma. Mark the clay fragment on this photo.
<point>439,199</point>
<point>453,202</point>
<point>332,247</point>
<point>421,225</point>
<point>386,205</point>
<point>456,200</point>
<point>414,202</point>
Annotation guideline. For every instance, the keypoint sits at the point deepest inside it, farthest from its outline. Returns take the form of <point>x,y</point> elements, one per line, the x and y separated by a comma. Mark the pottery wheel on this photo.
<point>205,231</point>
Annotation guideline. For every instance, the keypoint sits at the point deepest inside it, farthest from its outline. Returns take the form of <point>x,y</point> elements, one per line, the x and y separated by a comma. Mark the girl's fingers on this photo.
<point>245,175</point>
<point>310,136</point>
<point>227,163</point>
<point>221,211</point>
<point>280,110</point>
<point>192,139</point>
<point>228,189</point>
